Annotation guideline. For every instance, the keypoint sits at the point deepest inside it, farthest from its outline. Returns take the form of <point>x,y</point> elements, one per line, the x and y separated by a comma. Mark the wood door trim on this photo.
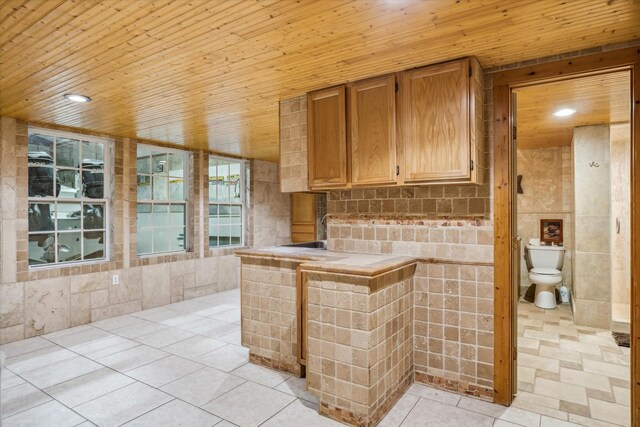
<point>503,173</point>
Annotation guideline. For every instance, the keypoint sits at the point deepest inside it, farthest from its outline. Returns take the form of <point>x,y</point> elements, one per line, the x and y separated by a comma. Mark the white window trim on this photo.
<point>108,175</point>
<point>242,203</point>
<point>186,171</point>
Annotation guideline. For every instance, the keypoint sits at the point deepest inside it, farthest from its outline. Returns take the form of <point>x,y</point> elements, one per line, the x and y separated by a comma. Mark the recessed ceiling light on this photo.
<point>76,97</point>
<point>564,112</point>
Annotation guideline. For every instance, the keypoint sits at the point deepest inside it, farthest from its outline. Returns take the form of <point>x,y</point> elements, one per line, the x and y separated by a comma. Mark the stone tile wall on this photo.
<point>463,240</point>
<point>269,316</point>
<point>547,185</point>
<point>592,232</point>
<point>453,346</point>
<point>293,145</point>
<point>38,301</point>
<point>270,212</point>
<point>360,345</point>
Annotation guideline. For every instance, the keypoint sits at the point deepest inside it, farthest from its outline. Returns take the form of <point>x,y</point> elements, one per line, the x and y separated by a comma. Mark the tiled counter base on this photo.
<point>360,342</point>
<point>454,327</point>
<point>269,321</point>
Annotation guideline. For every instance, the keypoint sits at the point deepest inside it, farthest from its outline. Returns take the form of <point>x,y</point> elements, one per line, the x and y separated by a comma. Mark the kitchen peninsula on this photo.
<point>356,324</point>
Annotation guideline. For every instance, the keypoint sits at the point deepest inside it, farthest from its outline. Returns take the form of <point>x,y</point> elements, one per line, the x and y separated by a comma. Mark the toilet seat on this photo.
<point>546,271</point>
<point>545,276</point>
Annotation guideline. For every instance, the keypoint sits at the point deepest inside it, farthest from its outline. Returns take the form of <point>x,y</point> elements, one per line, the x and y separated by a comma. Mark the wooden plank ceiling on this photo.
<point>599,99</point>
<point>208,74</point>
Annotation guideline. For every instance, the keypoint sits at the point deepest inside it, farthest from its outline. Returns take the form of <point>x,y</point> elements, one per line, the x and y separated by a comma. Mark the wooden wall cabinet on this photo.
<point>441,123</point>
<point>427,128</point>
<point>372,131</point>
<point>326,126</point>
<point>303,217</point>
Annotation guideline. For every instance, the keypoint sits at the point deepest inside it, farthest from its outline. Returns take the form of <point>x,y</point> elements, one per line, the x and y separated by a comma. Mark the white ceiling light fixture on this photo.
<point>564,112</point>
<point>76,97</point>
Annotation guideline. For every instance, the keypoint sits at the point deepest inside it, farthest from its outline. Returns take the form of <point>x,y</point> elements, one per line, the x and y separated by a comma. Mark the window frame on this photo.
<point>242,203</point>
<point>55,200</point>
<point>186,170</point>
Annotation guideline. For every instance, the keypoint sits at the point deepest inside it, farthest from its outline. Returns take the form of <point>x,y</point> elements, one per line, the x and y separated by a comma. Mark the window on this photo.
<point>226,199</point>
<point>162,200</point>
<point>68,207</point>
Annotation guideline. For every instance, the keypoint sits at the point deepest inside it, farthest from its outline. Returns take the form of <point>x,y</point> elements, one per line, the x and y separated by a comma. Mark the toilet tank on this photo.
<point>544,256</point>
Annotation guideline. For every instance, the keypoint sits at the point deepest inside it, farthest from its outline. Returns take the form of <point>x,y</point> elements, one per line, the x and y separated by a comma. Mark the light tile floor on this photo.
<point>570,372</point>
<point>182,364</point>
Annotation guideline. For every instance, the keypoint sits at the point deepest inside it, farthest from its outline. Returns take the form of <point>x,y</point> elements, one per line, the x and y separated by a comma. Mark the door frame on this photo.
<point>504,179</point>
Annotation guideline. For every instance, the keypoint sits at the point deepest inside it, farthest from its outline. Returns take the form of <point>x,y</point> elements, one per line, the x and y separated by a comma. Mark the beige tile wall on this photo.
<point>293,144</point>
<point>433,200</point>
<point>360,345</point>
<point>269,316</point>
<point>270,213</point>
<point>547,185</point>
<point>39,301</point>
<point>454,327</point>
<point>462,240</point>
<point>592,233</point>
<point>621,209</point>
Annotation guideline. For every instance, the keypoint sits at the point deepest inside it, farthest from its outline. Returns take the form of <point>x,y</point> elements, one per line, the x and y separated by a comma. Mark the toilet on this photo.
<point>545,270</point>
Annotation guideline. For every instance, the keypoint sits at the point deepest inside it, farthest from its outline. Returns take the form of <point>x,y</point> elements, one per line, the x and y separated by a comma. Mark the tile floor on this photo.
<point>182,364</point>
<point>570,372</point>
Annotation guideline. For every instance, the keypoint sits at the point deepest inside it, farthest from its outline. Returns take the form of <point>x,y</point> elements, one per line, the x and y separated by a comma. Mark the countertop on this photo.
<point>368,265</point>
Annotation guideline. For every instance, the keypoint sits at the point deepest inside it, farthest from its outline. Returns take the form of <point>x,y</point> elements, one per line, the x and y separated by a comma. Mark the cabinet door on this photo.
<point>435,122</point>
<point>372,125</point>
<point>303,217</point>
<point>327,138</point>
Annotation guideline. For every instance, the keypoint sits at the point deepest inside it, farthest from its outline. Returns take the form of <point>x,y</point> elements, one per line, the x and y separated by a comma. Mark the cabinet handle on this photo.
<point>397,170</point>
<point>617,225</point>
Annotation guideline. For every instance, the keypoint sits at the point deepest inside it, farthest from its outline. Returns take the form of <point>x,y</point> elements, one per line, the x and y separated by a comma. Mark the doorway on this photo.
<point>507,245</point>
<point>572,208</point>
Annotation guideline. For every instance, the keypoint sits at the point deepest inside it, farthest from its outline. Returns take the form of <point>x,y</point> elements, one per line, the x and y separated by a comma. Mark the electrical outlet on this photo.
<point>115,279</point>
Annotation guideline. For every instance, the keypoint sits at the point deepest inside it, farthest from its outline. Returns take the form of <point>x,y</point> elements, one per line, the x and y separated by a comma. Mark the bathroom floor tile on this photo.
<point>611,412</point>
<point>591,386</point>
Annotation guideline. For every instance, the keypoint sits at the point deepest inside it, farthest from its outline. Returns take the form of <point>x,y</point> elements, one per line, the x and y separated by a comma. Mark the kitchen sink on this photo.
<point>320,244</point>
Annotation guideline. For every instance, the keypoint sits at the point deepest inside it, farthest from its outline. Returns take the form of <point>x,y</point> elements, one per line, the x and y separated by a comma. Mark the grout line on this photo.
<point>408,412</point>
